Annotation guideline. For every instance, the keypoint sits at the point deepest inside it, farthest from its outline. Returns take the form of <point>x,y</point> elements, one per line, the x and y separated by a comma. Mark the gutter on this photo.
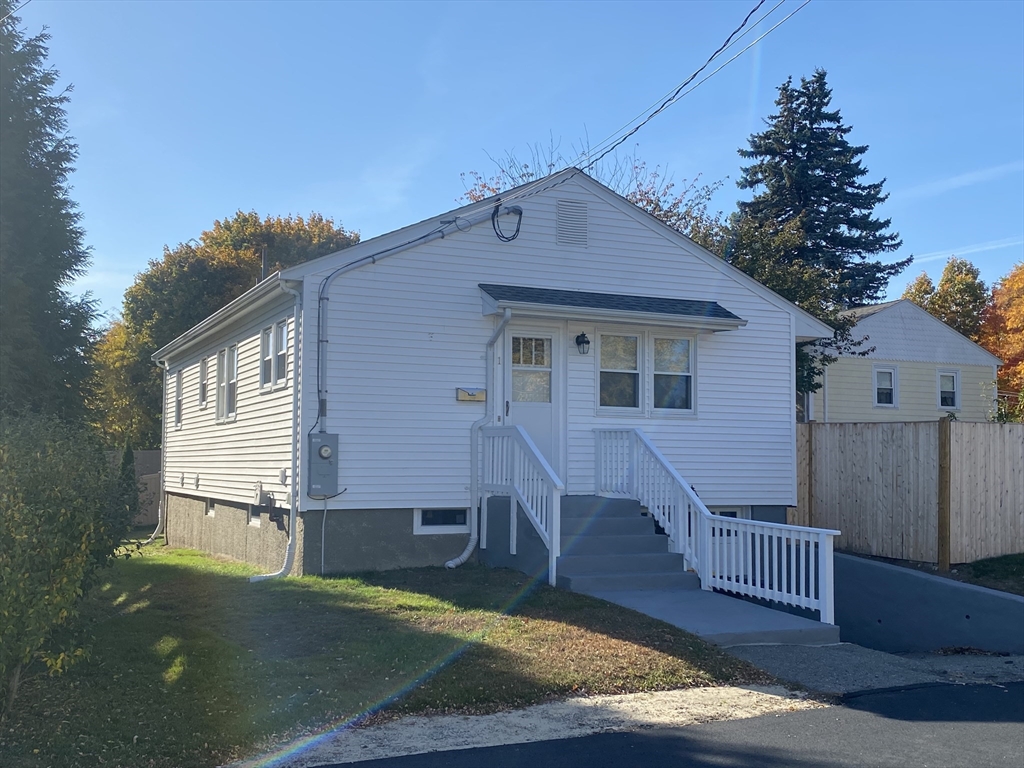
<point>474,441</point>
<point>161,515</point>
<point>293,513</point>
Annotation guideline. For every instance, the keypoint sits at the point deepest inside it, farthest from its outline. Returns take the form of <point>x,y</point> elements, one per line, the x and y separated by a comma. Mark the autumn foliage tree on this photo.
<point>176,292</point>
<point>1002,329</point>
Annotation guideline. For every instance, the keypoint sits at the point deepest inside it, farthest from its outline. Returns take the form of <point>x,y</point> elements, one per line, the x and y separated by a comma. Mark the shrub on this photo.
<point>62,517</point>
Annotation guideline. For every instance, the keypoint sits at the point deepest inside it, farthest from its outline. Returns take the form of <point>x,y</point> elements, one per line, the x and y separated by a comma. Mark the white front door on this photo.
<point>533,387</point>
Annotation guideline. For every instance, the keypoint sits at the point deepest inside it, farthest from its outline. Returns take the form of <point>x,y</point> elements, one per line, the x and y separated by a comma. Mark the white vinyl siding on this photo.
<point>407,331</point>
<point>230,457</point>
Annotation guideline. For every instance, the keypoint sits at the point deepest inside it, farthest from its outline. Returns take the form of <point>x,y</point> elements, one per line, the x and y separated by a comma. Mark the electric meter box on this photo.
<point>323,465</point>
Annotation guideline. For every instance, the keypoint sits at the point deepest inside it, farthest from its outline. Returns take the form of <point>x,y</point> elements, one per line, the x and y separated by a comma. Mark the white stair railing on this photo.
<point>514,467</point>
<point>785,563</point>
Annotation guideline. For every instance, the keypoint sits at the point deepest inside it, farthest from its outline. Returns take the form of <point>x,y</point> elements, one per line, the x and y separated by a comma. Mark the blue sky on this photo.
<point>186,112</point>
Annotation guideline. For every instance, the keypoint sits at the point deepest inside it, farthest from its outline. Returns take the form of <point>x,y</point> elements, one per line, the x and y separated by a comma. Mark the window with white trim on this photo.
<point>885,387</point>
<point>177,398</point>
<point>227,381</point>
<point>266,357</point>
<point>949,390</point>
<point>531,369</point>
<point>436,521</point>
<point>619,378</point>
<point>204,381</point>
<point>673,374</point>
<point>281,352</point>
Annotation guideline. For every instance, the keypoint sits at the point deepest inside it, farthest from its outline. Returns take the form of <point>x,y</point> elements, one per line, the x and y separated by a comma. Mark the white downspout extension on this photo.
<point>474,442</point>
<point>161,515</point>
<point>289,556</point>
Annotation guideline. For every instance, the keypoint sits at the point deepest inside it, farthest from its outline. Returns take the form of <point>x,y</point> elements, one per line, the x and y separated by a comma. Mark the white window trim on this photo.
<point>204,378</point>
<point>419,529</point>
<point>620,410</point>
<point>179,402</point>
<point>223,414</point>
<point>645,370</point>
<point>742,511</point>
<point>278,377</point>
<point>955,373</point>
<point>894,370</point>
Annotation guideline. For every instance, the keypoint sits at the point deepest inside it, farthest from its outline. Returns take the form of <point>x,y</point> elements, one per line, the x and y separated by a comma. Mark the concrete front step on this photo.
<point>596,506</point>
<point>672,581</point>
<point>606,526</point>
<point>631,544</point>
<point>643,563</point>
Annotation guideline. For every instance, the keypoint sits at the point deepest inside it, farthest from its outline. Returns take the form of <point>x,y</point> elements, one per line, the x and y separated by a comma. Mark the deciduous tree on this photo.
<point>1002,329</point>
<point>959,300</point>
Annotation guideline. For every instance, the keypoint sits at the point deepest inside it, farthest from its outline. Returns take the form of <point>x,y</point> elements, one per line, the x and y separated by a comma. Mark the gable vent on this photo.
<point>571,223</point>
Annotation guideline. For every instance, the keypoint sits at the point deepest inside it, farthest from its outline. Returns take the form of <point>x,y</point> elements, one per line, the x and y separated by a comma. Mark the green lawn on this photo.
<point>193,666</point>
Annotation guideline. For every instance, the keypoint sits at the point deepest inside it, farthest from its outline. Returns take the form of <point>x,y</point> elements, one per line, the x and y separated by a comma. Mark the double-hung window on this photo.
<point>227,381</point>
<point>647,372</point>
<point>949,390</point>
<point>204,381</point>
<point>177,398</point>
<point>620,371</point>
<point>274,355</point>
<point>885,388</point>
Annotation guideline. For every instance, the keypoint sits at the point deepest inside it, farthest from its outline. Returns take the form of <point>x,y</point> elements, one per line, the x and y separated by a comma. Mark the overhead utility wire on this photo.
<point>5,18</point>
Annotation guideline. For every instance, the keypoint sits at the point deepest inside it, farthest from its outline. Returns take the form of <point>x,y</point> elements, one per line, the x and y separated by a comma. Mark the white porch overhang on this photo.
<point>706,316</point>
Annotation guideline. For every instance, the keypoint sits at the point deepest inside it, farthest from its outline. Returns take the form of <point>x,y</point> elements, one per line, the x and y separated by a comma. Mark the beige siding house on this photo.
<point>920,370</point>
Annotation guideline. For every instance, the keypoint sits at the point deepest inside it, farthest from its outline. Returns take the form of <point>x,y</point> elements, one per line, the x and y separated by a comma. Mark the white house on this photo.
<point>920,369</point>
<point>558,337</point>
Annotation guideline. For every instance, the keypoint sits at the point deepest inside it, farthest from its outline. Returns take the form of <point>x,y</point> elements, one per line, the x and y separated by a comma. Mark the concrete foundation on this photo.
<point>373,540</point>
<point>229,531</point>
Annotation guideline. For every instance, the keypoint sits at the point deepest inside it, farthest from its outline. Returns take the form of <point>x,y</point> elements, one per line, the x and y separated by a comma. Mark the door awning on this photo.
<point>608,307</point>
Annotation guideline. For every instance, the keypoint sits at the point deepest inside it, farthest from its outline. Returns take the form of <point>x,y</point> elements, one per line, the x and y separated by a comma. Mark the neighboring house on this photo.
<point>346,393</point>
<point>920,370</point>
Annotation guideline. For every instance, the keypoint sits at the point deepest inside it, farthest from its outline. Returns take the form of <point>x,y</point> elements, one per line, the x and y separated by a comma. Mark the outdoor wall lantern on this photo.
<point>583,343</point>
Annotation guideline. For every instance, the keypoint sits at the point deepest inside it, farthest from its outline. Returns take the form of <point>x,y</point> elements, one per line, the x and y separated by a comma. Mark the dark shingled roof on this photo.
<point>612,301</point>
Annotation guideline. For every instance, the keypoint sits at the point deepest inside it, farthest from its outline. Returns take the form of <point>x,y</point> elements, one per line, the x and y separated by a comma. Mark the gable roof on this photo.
<point>901,330</point>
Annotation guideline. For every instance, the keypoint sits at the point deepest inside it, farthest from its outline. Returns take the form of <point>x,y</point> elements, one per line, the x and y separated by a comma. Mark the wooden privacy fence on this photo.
<point>937,491</point>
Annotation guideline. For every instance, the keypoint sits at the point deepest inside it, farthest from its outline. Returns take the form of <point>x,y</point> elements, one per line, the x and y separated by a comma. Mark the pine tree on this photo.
<point>808,177</point>
<point>44,331</point>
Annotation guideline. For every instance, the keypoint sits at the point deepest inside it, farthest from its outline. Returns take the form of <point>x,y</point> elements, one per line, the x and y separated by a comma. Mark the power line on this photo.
<point>5,18</point>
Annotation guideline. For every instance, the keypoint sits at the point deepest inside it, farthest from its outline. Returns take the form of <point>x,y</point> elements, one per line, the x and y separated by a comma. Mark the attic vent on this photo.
<point>571,223</point>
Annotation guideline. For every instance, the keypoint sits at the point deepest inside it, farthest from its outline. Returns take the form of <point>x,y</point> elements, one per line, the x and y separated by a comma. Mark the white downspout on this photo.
<point>161,514</point>
<point>474,442</point>
<point>293,513</point>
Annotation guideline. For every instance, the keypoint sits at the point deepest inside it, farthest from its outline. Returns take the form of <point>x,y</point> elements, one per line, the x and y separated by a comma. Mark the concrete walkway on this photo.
<point>721,619</point>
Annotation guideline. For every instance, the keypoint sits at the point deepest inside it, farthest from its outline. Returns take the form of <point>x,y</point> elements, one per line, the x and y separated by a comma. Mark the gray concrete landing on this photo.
<point>721,619</point>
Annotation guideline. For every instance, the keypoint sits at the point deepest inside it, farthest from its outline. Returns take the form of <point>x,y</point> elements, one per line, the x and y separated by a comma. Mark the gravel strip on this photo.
<point>555,720</point>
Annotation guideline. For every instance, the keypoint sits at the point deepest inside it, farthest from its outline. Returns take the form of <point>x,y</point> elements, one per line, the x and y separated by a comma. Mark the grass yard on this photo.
<point>1005,573</point>
<point>193,666</point>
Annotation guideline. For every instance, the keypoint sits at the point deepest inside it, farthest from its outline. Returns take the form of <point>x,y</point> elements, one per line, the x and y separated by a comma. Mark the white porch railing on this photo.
<point>786,563</point>
<point>514,467</point>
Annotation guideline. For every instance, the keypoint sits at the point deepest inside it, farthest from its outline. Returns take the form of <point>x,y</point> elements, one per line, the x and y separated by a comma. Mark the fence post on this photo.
<point>944,500</point>
<point>810,474</point>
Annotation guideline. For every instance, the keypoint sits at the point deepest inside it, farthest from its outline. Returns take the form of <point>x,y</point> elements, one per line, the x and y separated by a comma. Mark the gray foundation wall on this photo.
<point>373,540</point>
<point>900,610</point>
<point>531,554</point>
<point>228,532</point>
<point>767,513</point>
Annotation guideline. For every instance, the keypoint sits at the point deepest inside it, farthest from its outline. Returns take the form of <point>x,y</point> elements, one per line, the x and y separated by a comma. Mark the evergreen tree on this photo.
<point>808,179</point>
<point>44,331</point>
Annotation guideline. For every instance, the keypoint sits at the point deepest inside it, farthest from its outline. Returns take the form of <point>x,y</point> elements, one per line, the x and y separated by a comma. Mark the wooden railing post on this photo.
<point>944,500</point>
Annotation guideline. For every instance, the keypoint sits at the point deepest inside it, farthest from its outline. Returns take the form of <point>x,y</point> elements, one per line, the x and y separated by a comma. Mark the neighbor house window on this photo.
<point>204,381</point>
<point>280,352</point>
<point>949,389</point>
<point>177,399</point>
<point>620,371</point>
<point>227,381</point>
<point>428,521</point>
<point>885,387</point>
<point>673,378</point>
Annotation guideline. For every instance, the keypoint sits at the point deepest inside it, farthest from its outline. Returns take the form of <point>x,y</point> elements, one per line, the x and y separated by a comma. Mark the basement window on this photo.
<point>210,508</point>
<point>254,514</point>
<point>437,521</point>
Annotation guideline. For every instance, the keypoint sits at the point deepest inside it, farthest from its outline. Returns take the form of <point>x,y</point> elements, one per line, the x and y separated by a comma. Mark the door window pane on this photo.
<point>531,369</point>
<point>531,386</point>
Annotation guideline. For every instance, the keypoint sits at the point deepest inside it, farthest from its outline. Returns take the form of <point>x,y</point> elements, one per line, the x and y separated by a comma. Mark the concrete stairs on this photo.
<point>608,544</point>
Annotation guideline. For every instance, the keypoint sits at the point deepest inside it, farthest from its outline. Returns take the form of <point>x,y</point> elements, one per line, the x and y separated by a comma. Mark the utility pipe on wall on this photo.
<point>474,442</point>
<point>161,514</point>
<point>289,556</point>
